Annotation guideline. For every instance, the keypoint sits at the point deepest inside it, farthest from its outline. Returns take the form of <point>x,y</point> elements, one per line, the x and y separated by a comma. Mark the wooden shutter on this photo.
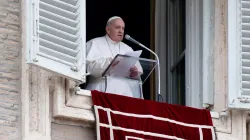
<point>239,54</point>
<point>245,48</point>
<point>58,37</point>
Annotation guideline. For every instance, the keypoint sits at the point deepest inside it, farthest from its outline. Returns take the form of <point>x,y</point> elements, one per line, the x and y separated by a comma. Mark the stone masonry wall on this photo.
<point>10,70</point>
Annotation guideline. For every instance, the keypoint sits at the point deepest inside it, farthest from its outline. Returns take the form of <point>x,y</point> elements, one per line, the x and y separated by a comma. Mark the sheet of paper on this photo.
<point>134,53</point>
<point>123,67</point>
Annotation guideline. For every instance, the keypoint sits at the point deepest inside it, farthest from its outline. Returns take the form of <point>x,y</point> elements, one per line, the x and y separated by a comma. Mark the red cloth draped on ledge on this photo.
<point>125,118</point>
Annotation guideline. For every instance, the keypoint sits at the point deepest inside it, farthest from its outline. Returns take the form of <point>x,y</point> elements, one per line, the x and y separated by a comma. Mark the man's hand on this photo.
<point>133,71</point>
<point>114,63</point>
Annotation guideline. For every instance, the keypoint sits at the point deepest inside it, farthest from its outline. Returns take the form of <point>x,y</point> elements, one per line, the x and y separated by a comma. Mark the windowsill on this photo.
<point>86,95</point>
<point>78,105</point>
<point>81,107</point>
<point>81,99</point>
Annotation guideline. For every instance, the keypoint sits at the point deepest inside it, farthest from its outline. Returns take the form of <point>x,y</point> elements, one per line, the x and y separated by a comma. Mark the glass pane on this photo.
<point>178,15</point>
<point>178,83</point>
<point>176,51</point>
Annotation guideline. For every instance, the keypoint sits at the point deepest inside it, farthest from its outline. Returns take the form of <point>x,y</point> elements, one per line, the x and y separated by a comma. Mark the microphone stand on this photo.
<point>158,70</point>
<point>158,63</point>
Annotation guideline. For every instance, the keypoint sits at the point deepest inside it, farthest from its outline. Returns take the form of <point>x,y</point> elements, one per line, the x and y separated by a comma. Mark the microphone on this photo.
<point>131,39</point>
<point>157,59</point>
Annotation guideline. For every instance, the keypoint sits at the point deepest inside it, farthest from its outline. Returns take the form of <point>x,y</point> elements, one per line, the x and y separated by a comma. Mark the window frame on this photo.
<point>193,53</point>
<point>199,87</point>
<point>208,52</point>
<point>198,55</point>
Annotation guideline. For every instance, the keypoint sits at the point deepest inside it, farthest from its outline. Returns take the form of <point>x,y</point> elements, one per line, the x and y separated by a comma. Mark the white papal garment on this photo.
<point>99,50</point>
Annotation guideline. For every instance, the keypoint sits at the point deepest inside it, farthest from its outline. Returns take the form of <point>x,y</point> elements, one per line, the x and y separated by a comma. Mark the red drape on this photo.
<point>124,118</point>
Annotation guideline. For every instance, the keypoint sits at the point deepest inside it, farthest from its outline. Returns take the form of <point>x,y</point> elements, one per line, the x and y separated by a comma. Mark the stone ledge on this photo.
<point>77,104</point>
<point>78,107</point>
<point>80,99</point>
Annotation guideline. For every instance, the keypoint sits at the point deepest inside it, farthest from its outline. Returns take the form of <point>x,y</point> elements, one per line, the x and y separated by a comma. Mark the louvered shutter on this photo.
<point>239,53</point>
<point>245,50</point>
<point>58,36</point>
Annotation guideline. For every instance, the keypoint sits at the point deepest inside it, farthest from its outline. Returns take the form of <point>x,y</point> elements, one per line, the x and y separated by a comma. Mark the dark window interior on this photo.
<point>136,15</point>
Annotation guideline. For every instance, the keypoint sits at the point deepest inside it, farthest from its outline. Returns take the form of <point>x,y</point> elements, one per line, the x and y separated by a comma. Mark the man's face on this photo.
<point>116,30</point>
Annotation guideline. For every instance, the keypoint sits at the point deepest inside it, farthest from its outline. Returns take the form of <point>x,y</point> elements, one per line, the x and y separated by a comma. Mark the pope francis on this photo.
<point>100,53</point>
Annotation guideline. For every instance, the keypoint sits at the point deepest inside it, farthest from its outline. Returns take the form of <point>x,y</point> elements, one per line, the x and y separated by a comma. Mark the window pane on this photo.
<point>176,51</point>
<point>178,83</point>
<point>178,15</point>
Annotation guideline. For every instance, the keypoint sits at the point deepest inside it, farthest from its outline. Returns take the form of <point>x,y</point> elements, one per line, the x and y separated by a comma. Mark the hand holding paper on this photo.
<point>133,71</point>
<point>126,67</point>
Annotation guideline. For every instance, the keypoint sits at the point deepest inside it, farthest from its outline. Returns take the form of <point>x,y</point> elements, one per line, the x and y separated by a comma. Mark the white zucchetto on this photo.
<point>112,18</point>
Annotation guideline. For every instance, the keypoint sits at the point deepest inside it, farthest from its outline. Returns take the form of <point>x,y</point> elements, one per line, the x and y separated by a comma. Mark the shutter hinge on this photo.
<point>34,38</point>
<point>35,28</point>
<point>35,60</point>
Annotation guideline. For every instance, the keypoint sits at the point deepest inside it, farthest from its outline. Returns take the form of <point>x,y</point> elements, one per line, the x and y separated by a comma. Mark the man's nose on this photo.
<point>121,30</point>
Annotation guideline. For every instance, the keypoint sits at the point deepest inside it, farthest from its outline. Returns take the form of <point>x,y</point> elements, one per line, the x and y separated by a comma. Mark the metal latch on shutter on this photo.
<point>74,68</point>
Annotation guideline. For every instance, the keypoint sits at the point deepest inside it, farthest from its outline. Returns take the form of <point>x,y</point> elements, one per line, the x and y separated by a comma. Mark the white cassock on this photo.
<point>99,52</point>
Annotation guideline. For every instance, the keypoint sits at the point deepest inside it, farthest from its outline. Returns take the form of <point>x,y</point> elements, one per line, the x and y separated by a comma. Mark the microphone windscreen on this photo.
<point>127,36</point>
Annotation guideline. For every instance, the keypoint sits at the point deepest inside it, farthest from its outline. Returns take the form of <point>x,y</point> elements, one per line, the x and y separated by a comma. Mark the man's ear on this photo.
<point>107,30</point>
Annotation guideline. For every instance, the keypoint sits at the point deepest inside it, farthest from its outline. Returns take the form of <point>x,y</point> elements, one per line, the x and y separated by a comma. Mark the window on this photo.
<point>176,51</point>
<point>56,36</point>
<point>238,54</point>
<point>183,53</point>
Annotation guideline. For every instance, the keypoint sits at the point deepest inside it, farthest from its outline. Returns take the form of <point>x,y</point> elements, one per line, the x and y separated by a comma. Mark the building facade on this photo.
<point>42,105</point>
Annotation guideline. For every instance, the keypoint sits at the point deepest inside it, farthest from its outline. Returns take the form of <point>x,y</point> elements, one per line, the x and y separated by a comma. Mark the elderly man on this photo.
<point>100,53</point>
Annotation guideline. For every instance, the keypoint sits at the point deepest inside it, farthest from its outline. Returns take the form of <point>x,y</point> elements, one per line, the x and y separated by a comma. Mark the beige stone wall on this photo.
<point>10,66</point>
<point>220,55</point>
<point>67,132</point>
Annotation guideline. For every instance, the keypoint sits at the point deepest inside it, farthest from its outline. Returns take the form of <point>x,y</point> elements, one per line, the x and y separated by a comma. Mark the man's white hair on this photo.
<point>112,18</point>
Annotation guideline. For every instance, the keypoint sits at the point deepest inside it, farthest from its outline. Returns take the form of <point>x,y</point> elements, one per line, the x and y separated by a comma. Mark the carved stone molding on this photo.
<point>37,85</point>
<point>36,120</point>
<point>77,98</point>
<point>223,123</point>
<point>71,109</point>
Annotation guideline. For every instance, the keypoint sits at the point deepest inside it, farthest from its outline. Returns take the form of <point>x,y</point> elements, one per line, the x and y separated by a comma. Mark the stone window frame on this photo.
<point>68,104</point>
